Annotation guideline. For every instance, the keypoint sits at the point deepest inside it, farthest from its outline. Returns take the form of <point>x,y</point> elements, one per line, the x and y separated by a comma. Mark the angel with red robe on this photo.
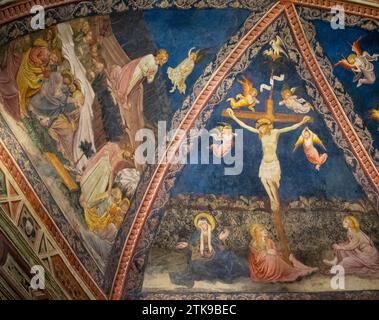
<point>360,62</point>
<point>308,139</point>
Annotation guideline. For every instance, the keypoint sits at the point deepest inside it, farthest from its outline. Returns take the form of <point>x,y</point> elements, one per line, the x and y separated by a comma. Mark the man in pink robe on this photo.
<point>130,100</point>
<point>8,86</point>
<point>126,86</point>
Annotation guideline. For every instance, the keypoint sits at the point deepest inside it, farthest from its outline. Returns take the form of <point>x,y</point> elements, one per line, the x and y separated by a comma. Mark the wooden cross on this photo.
<point>268,114</point>
<point>274,117</point>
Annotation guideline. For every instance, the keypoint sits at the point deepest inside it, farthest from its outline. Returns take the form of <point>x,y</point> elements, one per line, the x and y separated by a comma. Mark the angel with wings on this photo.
<point>308,139</point>
<point>360,62</point>
<point>180,73</point>
<point>248,98</point>
<point>223,139</point>
<point>293,102</point>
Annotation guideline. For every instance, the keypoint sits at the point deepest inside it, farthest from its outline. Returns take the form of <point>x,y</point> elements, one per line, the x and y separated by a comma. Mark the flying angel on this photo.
<point>248,98</point>
<point>276,49</point>
<point>180,73</point>
<point>359,62</point>
<point>293,102</point>
<point>223,139</point>
<point>308,139</point>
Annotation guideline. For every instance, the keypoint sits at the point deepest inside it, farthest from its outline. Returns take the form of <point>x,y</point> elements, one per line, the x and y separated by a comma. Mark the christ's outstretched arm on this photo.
<point>295,126</point>
<point>241,123</point>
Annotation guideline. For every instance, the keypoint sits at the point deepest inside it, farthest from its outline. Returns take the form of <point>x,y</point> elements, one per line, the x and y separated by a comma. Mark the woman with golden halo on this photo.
<point>358,255</point>
<point>208,259</point>
<point>266,263</point>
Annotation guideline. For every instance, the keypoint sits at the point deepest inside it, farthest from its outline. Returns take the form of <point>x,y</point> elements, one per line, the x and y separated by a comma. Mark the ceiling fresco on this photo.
<point>189,149</point>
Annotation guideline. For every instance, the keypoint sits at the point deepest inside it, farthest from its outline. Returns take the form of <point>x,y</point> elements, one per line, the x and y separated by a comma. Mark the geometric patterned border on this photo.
<point>350,8</point>
<point>55,233</point>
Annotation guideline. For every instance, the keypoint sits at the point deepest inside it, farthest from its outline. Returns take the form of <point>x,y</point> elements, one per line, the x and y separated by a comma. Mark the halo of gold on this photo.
<point>353,222</point>
<point>254,229</point>
<point>206,216</point>
<point>162,56</point>
<point>351,58</point>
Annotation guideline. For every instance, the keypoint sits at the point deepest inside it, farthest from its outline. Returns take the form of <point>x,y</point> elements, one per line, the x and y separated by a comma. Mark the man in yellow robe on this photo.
<point>32,71</point>
<point>106,224</point>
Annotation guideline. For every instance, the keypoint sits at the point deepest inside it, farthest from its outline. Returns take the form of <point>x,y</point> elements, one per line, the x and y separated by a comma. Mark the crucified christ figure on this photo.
<point>269,170</point>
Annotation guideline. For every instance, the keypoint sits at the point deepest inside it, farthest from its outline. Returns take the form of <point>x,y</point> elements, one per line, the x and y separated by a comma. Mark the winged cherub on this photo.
<point>293,102</point>
<point>276,49</point>
<point>308,139</point>
<point>248,98</point>
<point>180,73</point>
<point>360,63</point>
<point>223,139</point>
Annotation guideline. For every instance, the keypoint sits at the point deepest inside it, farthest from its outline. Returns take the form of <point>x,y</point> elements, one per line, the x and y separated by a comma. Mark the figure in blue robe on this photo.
<point>207,258</point>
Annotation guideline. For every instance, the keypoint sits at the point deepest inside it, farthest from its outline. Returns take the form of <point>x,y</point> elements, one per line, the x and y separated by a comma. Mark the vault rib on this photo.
<point>330,98</point>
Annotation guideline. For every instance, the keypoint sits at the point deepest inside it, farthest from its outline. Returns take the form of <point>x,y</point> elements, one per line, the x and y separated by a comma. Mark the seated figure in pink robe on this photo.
<point>358,255</point>
<point>266,263</point>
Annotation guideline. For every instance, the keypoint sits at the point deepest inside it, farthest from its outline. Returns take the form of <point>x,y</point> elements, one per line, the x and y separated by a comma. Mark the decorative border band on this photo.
<point>22,9</point>
<point>347,295</point>
<point>19,10</point>
<point>350,8</point>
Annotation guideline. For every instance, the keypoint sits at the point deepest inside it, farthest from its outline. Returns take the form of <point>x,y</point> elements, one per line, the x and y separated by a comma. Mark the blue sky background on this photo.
<point>299,177</point>
<point>179,30</point>
<point>337,44</point>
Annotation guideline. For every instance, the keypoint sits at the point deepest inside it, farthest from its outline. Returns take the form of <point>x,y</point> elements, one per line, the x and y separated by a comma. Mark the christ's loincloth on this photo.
<point>270,172</point>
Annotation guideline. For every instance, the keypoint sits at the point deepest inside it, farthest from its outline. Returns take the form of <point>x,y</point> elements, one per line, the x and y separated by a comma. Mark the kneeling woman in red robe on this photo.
<point>266,263</point>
